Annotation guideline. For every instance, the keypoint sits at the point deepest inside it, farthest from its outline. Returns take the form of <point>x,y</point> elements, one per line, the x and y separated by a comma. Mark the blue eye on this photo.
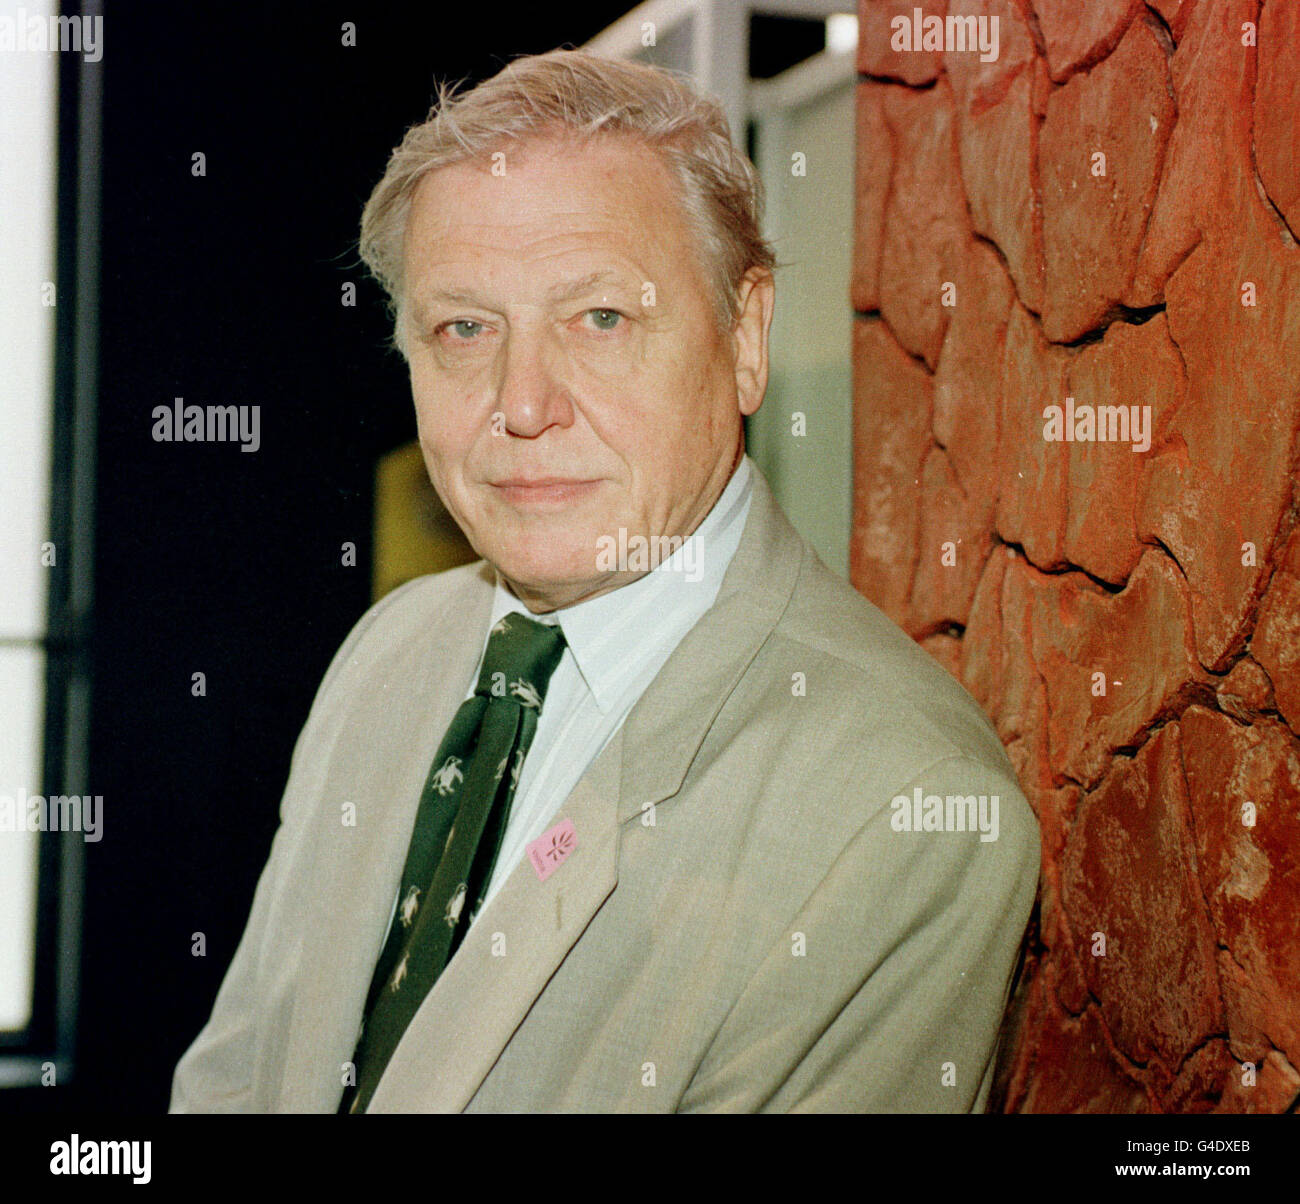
<point>459,327</point>
<point>605,319</point>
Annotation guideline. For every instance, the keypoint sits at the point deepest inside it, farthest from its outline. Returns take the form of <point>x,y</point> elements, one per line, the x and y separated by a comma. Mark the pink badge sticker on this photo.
<point>550,849</point>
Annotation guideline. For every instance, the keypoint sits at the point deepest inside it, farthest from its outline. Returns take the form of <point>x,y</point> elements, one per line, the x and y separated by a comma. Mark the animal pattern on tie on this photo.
<point>452,914</point>
<point>459,827</point>
<point>410,905</point>
<point>448,776</point>
<point>527,693</point>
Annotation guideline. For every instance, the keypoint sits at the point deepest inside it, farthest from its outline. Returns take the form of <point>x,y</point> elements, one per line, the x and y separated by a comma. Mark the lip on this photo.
<point>543,490</point>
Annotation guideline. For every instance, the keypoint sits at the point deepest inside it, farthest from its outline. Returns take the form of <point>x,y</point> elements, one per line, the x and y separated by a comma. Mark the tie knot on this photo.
<point>521,656</point>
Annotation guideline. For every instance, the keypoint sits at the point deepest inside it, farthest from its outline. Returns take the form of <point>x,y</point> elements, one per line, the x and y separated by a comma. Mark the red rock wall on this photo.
<point>1130,619</point>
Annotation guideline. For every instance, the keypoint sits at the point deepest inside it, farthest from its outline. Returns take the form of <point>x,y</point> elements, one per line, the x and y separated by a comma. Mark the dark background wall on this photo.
<point>226,289</point>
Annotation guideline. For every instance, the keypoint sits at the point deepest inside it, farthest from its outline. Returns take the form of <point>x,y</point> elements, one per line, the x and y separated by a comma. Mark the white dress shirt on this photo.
<point>615,645</point>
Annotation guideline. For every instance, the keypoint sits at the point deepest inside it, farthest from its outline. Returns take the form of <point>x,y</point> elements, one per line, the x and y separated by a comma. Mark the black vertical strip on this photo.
<point>39,1039</point>
<point>76,759</point>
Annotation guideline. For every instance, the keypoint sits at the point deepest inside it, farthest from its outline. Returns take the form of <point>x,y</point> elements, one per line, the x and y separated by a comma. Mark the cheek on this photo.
<point>446,422</point>
<point>649,398</point>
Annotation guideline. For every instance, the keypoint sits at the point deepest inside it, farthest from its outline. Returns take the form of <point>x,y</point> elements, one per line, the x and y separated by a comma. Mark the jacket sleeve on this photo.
<point>216,1073</point>
<point>886,994</point>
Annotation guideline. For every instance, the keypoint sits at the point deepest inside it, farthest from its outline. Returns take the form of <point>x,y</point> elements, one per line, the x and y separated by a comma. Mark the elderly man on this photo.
<point>646,810</point>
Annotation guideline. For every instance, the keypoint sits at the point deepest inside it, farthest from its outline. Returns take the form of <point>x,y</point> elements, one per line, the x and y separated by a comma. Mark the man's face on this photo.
<point>567,368</point>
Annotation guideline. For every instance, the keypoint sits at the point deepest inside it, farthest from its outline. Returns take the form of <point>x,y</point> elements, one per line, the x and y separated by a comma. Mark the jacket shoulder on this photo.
<point>862,667</point>
<point>405,617</point>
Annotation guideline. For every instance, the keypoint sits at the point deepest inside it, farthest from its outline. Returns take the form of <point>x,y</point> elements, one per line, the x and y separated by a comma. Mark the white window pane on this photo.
<point>22,698</point>
<point>28,92</point>
<point>842,33</point>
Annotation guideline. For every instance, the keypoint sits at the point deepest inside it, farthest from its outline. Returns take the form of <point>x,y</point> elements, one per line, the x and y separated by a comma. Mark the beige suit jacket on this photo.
<point>740,928</point>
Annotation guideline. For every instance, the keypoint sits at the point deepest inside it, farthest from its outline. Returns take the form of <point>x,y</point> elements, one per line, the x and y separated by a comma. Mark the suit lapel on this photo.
<point>672,719</point>
<point>507,957</point>
<point>356,869</point>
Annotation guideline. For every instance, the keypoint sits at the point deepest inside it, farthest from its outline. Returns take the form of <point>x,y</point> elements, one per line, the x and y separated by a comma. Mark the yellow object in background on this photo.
<point>414,533</point>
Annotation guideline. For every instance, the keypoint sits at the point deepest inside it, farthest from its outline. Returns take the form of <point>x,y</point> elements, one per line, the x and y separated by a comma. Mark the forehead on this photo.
<point>547,201</point>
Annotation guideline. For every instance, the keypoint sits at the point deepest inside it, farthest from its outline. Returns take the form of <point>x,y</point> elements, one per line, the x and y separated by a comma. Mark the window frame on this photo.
<point>50,1034</point>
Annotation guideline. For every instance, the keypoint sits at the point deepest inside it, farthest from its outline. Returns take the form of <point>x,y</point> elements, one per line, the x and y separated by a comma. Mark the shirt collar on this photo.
<point>617,636</point>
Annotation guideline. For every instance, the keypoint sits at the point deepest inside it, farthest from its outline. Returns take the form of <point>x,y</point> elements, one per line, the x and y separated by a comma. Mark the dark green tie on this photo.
<point>458,832</point>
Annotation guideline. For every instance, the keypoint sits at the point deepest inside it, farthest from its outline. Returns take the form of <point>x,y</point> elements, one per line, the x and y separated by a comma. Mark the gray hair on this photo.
<point>580,93</point>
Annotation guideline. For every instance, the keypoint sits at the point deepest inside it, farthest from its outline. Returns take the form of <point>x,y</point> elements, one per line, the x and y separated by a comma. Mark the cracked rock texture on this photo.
<point>1107,212</point>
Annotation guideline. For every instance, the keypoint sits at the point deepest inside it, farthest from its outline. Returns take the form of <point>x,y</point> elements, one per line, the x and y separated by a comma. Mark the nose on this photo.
<point>531,395</point>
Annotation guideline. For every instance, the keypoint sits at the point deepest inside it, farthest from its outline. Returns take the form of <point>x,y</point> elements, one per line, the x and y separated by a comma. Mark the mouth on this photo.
<point>543,491</point>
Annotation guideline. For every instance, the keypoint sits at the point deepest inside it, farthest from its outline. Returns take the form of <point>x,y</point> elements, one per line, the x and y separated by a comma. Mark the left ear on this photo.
<point>756,297</point>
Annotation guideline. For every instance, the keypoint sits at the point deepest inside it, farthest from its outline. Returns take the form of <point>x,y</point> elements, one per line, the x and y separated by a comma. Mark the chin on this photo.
<point>546,569</point>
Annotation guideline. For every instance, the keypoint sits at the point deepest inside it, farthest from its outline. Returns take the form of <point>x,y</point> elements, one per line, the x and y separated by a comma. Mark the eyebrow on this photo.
<point>568,292</point>
<point>557,294</point>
